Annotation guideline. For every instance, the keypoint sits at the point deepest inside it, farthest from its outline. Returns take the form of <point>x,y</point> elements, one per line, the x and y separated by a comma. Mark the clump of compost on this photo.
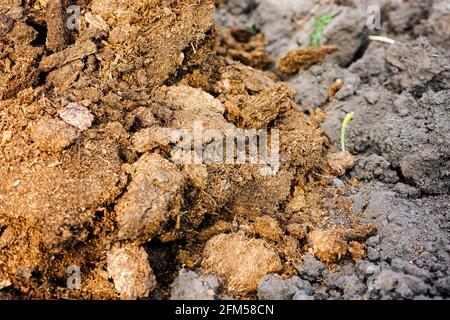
<point>87,179</point>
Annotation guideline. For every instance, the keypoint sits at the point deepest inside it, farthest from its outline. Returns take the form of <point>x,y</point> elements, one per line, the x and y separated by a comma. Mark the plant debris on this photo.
<point>303,58</point>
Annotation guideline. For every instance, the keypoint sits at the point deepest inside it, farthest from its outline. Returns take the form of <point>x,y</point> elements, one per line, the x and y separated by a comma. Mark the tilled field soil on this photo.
<point>95,204</point>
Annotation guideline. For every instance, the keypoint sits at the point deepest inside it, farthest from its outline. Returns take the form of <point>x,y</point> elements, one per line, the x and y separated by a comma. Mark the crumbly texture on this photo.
<point>303,58</point>
<point>191,286</point>
<point>130,270</point>
<point>241,261</point>
<point>90,124</point>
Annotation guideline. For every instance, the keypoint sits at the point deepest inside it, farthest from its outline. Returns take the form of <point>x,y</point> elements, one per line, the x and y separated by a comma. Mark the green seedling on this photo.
<point>253,29</point>
<point>345,123</point>
<point>319,27</point>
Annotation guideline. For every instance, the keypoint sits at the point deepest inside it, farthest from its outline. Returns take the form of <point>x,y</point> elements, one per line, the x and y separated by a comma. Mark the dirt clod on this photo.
<point>151,198</point>
<point>76,115</point>
<point>189,285</point>
<point>53,135</point>
<point>241,261</point>
<point>130,270</point>
<point>340,162</point>
<point>328,245</point>
<point>268,228</point>
<point>274,287</point>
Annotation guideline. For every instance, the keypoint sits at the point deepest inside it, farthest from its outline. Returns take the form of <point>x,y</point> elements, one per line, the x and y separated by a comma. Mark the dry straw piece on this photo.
<point>302,59</point>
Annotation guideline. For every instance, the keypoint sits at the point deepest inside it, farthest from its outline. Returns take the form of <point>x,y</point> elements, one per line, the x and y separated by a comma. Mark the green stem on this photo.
<point>320,25</point>
<point>345,123</point>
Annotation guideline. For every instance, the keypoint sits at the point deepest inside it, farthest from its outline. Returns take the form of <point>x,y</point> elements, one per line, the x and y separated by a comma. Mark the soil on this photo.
<point>88,122</point>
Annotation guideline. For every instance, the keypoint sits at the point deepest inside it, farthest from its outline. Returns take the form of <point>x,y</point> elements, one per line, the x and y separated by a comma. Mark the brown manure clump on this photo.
<point>93,123</point>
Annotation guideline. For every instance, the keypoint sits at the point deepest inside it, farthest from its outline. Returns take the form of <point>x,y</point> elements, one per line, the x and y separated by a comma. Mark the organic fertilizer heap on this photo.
<point>95,101</point>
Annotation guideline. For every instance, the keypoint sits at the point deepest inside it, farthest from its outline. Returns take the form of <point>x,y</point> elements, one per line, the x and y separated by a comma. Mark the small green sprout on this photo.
<point>319,27</point>
<point>253,29</point>
<point>345,123</point>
